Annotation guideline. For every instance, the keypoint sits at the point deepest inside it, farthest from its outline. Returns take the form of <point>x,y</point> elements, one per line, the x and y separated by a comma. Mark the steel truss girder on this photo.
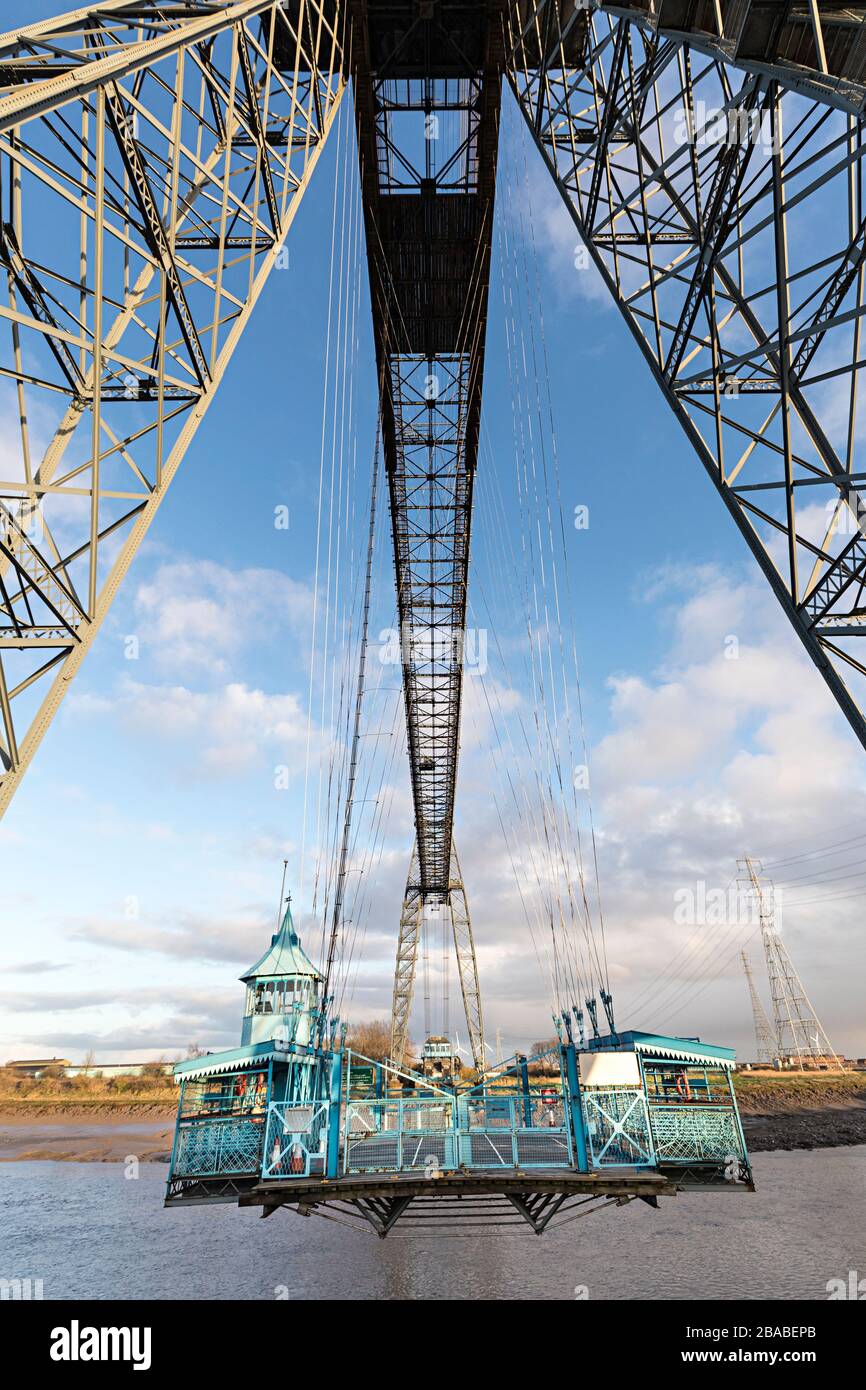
<point>152,160</point>
<point>469,1204</point>
<point>725,214</point>
<point>456,904</point>
<point>429,232</point>
<point>819,55</point>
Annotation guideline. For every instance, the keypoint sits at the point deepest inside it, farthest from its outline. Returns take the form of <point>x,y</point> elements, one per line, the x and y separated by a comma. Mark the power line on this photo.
<point>813,853</point>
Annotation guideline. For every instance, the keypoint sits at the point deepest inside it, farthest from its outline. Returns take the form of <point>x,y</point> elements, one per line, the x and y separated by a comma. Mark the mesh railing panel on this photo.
<point>684,1134</point>
<point>543,1148</point>
<point>488,1148</point>
<point>399,1135</point>
<point>518,1130</point>
<point>296,1139</point>
<point>208,1147</point>
<point>436,1116</point>
<point>372,1152</point>
<point>428,1150</point>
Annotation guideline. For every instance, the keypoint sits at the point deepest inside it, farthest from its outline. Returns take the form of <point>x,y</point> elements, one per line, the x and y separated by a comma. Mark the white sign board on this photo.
<point>609,1069</point>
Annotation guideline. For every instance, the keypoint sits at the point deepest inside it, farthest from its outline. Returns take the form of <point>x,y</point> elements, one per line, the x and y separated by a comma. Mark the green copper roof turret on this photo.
<point>284,956</point>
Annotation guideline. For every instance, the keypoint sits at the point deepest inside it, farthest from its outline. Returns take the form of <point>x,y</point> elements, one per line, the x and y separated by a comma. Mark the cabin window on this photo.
<point>230,1094</point>
<point>279,996</point>
<point>677,1084</point>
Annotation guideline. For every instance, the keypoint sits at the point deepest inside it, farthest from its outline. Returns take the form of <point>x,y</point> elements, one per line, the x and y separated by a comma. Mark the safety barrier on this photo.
<point>438,1133</point>
<point>399,1135</point>
<point>210,1146</point>
<point>690,1133</point>
<point>517,1130</point>
<point>617,1128</point>
<point>296,1140</point>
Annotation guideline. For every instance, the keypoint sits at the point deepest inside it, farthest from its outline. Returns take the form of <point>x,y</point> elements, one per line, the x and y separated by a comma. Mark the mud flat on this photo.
<point>807,1111</point>
<point>805,1129</point>
<point>87,1138</point>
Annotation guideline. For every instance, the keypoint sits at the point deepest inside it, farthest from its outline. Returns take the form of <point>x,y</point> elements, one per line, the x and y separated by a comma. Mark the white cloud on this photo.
<point>703,759</point>
<point>238,938</point>
<point>707,758</point>
<point>237,723</point>
<point>223,731</point>
<point>198,614</point>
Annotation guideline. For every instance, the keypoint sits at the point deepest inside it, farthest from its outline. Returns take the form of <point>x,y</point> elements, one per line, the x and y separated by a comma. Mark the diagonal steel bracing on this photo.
<point>711,157</point>
<point>152,159</point>
<point>411,926</point>
<point>467,964</point>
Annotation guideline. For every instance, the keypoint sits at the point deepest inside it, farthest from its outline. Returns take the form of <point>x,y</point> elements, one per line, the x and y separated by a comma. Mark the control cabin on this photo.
<point>439,1060</point>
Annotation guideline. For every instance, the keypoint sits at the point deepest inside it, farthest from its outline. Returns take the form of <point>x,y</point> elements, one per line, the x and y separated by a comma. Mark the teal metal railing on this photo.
<point>296,1140</point>
<point>400,1135</point>
<point>617,1128</point>
<point>517,1130</point>
<point>695,1133</point>
<point>210,1147</point>
<point>437,1133</point>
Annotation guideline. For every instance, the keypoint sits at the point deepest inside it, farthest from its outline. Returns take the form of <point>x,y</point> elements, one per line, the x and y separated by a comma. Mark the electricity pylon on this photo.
<point>767,1046</point>
<point>407,961</point>
<point>467,965</point>
<point>800,1036</point>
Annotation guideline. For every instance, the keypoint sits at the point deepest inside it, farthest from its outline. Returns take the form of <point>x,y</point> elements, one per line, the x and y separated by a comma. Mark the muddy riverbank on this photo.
<point>812,1110</point>
<point>805,1129</point>
<point>87,1136</point>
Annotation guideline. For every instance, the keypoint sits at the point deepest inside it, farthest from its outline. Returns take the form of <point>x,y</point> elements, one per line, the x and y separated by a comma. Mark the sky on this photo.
<point>142,855</point>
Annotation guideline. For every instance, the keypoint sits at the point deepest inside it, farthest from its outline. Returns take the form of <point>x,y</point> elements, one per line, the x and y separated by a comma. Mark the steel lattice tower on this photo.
<point>152,160</point>
<point>711,158</point>
<point>799,1035</point>
<point>767,1046</point>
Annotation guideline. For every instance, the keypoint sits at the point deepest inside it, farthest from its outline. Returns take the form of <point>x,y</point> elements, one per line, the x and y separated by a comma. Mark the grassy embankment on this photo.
<point>152,1093</point>
<point>768,1091</point>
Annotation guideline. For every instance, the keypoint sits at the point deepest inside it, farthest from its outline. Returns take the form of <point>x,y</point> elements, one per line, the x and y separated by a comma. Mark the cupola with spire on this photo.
<point>283,989</point>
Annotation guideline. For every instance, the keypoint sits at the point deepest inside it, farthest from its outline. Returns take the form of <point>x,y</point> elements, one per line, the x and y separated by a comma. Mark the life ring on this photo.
<point>683,1089</point>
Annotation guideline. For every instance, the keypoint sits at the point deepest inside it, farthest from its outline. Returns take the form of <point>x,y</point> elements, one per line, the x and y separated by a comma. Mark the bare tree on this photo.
<point>372,1038</point>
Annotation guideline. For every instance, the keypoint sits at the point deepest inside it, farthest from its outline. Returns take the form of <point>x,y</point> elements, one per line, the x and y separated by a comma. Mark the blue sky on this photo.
<point>142,854</point>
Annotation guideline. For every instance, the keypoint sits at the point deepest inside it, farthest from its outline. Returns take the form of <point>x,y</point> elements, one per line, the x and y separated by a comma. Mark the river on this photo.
<point>87,1231</point>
